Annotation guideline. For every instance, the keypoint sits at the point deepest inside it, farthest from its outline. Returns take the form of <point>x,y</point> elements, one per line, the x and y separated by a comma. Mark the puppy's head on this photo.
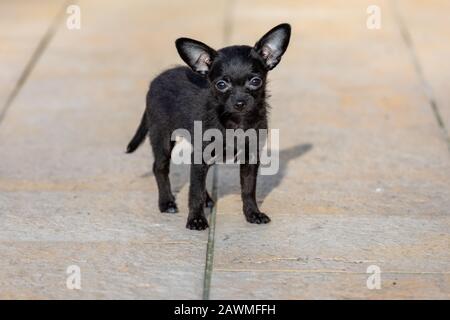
<point>237,74</point>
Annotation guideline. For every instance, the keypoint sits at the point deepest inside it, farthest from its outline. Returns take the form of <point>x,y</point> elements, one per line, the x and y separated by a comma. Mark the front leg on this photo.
<point>197,197</point>
<point>249,173</point>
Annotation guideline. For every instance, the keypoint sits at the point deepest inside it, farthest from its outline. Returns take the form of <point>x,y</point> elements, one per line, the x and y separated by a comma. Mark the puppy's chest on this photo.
<point>232,124</point>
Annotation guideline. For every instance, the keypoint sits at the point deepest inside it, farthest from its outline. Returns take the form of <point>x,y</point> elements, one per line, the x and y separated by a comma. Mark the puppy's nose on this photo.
<point>240,104</point>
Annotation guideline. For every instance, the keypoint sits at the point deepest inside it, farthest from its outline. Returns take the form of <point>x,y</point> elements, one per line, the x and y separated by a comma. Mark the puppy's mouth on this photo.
<point>236,113</point>
<point>241,112</point>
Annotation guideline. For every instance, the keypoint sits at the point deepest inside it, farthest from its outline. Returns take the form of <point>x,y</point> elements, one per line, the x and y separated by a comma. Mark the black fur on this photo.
<point>139,136</point>
<point>182,95</point>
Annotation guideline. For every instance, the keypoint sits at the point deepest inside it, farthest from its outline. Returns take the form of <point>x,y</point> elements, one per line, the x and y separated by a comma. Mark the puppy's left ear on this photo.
<point>273,44</point>
<point>196,54</point>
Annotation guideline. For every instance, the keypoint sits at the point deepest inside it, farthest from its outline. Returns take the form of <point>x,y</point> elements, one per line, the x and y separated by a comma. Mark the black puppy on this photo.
<point>224,90</point>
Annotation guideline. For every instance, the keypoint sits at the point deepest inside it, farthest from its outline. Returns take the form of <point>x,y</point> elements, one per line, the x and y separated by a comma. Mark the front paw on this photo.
<point>257,217</point>
<point>197,223</point>
<point>168,207</point>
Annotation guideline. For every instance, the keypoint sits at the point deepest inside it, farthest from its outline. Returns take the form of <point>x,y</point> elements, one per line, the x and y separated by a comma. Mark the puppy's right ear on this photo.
<point>196,54</point>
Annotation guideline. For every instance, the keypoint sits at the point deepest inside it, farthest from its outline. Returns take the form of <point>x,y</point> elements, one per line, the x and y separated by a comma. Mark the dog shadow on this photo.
<point>228,175</point>
<point>267,183</point>
<point>229,181</point>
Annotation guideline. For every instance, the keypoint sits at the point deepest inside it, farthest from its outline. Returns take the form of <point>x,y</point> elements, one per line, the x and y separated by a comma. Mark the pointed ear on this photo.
<point>273,44</point>
<point>196,54</point>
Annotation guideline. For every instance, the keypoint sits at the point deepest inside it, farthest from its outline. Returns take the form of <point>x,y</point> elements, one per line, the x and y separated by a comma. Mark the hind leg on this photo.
<point>162,149</point>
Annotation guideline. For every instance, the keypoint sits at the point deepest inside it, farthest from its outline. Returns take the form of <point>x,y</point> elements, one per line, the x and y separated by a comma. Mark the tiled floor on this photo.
<point>364,173</point>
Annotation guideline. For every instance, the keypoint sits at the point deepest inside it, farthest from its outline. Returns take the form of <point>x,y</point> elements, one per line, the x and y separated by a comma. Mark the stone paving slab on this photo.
<point>312,256</point>
<point>364,167</point>
<point>22,26</point>
<point>83,216</point>
<point>321,242</point>
<point>69,193</point>
<point>319,284</point>
<point>109,270</point>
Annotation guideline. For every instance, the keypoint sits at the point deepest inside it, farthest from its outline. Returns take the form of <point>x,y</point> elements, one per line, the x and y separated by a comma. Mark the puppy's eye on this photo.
<point>221,85</point>
<point>255,82</point>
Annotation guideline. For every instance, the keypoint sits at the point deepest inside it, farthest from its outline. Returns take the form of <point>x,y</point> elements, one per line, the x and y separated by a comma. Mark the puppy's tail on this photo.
<point>139,136</point>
